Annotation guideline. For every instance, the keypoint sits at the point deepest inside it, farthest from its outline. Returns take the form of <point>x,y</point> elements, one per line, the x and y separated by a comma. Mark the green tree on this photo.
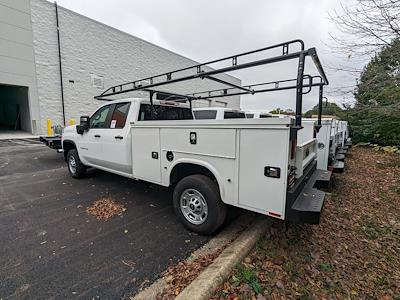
<point>376,115</point>
<point>379,83</point>
<point>280,111</point>
<point>329,108</point>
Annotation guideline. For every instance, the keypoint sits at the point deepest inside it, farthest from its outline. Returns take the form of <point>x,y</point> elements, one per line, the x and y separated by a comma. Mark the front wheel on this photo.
<point>198,204</point>
<point>75,167</point>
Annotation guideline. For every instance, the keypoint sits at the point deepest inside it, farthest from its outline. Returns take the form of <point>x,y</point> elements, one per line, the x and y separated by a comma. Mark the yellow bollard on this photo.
<point>49,129</point>
<point>71,122</point>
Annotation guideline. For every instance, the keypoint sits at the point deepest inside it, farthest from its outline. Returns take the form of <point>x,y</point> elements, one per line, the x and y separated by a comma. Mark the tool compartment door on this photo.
<point>261,149</point>
<point>146,154</point>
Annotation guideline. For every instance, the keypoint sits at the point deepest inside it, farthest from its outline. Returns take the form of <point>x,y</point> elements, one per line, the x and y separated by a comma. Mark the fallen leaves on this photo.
<point>181,275</point>
<point>105,208</point>
<point>352,254</point>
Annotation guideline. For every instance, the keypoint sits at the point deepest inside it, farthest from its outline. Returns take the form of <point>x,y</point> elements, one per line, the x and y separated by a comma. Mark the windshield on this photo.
<point>205,114</point>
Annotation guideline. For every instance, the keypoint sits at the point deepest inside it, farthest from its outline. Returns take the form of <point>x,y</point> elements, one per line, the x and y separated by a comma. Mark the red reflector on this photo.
<point>272,214</point>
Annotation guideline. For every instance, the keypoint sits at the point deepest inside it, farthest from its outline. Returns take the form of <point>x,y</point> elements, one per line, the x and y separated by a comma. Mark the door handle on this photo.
<point>118,137</point>
<point>97,135</point>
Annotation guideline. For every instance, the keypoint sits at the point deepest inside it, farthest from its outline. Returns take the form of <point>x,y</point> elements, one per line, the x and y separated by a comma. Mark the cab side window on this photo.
<point>119,115</point>
<point>99,118</point>
<point>164,113</point>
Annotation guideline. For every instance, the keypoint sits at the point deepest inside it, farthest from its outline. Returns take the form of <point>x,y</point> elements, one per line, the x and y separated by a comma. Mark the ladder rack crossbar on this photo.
<point>199,72</point>
<point>205,71</point>
<point>250,89</point>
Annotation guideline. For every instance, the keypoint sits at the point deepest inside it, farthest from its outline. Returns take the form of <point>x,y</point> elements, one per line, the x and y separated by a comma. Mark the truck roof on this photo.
<point>323,120</point>
<point>217,109</point>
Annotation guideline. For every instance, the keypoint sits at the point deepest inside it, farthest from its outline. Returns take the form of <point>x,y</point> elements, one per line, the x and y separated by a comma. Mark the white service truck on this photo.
<point>249,163</point>
<point>327,156</point>
<point>257,114</point>
<point>254,164</point>
<point>217,113</point>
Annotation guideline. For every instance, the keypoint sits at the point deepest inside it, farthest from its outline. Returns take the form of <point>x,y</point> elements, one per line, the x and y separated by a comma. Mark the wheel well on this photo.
<point>68,145</point>
<point>185,169</point>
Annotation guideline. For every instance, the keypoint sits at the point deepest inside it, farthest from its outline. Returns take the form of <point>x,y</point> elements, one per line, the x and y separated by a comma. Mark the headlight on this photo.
<point>321,145</point>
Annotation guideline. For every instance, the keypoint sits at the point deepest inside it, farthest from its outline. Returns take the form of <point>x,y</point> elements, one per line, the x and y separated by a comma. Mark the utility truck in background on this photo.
<point>255,164</point>
<point>257,114</point>
<point>217,113</point>
<point>327,157</point>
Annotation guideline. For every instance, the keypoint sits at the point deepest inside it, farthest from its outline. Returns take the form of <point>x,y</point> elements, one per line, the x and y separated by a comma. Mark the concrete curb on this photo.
<point>205,285</point>
<point>220,240</point>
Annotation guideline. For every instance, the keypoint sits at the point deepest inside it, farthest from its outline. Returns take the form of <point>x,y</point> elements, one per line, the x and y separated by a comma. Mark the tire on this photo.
<point>198,204</point>
<point>75,167</point>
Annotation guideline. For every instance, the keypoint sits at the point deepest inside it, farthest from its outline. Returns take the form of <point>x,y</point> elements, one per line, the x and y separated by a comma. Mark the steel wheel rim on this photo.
<point>194,206</point>
<point>72,164</point>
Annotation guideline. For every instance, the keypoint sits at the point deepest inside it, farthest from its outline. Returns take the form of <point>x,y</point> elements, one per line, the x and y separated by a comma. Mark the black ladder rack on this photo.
<point>205,71</point>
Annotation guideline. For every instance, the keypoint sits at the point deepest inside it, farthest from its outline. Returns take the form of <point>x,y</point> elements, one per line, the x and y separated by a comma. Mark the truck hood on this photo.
<point>71,128</point>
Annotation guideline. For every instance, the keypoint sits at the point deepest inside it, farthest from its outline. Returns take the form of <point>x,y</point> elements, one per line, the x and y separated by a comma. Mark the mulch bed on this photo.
<point>353,254</point>
<point>105,208</point>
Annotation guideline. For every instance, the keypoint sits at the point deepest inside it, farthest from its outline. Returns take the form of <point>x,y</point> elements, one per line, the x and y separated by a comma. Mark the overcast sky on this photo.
<point>209,29</point>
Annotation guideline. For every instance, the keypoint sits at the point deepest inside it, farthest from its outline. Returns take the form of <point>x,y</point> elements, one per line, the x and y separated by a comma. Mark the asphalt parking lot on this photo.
<point>50,246</point>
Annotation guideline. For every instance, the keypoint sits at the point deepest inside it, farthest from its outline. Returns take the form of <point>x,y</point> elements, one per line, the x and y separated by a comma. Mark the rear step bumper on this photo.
<point>53,142</point>
<point>348,143</point>
<point>338,167</point>
<point>307,206</point>
<point>340,157</point>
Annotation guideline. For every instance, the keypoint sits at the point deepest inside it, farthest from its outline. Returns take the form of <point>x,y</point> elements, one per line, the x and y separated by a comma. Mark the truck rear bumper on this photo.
<point>340,157</point>
<point>53,142</point>
<point>338,167</point>
<point>305,201</point>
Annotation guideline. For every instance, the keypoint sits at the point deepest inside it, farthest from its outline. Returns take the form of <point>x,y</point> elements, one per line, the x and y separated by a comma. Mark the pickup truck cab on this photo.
<point>217,113</point>
<point>105,142</point>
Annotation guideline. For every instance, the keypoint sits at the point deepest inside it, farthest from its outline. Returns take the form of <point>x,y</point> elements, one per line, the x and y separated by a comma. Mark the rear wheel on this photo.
<point>75,167</point>
<point>198,205</point>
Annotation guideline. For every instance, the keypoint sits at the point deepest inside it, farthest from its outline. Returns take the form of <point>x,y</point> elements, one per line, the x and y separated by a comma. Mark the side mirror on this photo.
<point>84,125</point>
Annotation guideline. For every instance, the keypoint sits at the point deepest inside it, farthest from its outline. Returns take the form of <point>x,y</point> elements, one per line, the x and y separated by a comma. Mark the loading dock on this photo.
<point>14,109</point>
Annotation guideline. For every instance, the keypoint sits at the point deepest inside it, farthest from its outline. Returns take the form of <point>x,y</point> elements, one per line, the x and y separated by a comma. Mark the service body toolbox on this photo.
<point>252,160</point>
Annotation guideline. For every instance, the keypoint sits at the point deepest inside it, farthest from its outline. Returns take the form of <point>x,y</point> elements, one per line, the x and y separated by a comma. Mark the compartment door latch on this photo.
<point>273,172</point>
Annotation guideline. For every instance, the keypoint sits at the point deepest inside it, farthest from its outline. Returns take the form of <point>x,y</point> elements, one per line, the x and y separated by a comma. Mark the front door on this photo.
<point>116,152</point>
<point>90,142</point>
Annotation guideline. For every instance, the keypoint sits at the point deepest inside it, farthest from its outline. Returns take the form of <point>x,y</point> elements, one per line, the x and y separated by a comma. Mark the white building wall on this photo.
<point>17,63</point>
<point>89,47</point>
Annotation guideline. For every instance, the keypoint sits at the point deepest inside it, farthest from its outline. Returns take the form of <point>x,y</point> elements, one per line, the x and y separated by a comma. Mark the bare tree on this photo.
<point>366,26</point>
